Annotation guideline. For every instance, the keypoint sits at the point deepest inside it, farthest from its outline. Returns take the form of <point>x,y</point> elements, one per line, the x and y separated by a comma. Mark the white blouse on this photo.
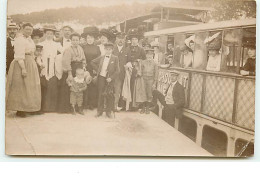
<point>214,63</point>
<point>50,52</point>
<point>102,49</point>
<point>22,46</point>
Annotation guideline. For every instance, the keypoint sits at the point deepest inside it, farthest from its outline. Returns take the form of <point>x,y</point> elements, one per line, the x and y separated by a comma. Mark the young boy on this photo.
<point>150,74</point>
<point>77,86</point>
<point>107,69</point>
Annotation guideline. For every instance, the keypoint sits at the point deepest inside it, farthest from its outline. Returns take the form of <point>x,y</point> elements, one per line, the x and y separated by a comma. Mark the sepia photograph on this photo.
<point>130,78</point>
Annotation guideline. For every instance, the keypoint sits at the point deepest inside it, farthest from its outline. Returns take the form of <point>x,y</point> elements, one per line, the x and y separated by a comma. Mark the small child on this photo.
<point>149,74</point>
<point>77,86</point>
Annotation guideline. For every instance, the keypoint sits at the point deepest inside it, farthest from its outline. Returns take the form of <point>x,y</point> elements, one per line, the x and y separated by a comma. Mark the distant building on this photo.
<point>167,17</point>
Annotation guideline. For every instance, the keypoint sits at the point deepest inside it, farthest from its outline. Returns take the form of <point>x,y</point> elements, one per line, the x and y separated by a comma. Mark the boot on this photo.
<point>147,110</point>
<point>20,114</point>
<point>81,110</point>
<point>143,109</point>
<point>73,110</point>
<point>108,114</point>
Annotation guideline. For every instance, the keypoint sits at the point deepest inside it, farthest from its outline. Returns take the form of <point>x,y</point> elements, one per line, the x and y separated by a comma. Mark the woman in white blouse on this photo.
<point>50,69</point>
<point>23,90</point>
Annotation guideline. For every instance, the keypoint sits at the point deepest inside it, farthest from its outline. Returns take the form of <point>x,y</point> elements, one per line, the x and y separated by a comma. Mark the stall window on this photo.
<point>247,61</point>
<point>187,48</point>
<point>178,43</point>
<point>231,50</point>
<point>200,51</point>
<point>169,48</point>
<point>214,43</point>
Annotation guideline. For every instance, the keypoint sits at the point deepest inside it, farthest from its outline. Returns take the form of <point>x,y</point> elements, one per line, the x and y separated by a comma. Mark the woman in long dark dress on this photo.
<point>23,90</point>
<point>48,74</point>
<point>91,52</point>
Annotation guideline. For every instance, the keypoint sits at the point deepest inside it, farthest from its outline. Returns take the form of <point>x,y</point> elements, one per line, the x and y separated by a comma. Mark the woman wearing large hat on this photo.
<point>91,51</point>
<point>134,54</point>
<point>48,74</point>
<point>105,36</point>
<point>23,90</point>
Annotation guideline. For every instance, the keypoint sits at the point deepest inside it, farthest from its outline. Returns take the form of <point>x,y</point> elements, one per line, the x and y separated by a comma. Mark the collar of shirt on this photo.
<point>119,47</point>
<point>77,80</point>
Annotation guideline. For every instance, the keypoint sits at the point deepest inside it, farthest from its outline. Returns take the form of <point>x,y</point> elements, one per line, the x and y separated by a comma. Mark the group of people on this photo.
<point>212,56</point>
<point>96,69</point>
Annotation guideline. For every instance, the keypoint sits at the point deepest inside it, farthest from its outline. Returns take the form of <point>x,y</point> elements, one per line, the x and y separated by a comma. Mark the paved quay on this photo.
<point>129,133</point>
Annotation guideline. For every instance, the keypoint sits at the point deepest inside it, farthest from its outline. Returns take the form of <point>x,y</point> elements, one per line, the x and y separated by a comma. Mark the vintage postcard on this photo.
<point>130,78</point>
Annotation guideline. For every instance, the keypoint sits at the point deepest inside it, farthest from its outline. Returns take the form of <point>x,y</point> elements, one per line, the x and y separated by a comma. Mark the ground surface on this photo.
<point>128,134</point>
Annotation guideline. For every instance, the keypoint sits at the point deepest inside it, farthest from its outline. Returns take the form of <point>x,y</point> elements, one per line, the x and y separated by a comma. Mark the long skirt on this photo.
<point>64,105</point>
<point>23,93</point>
<point>49,94</point>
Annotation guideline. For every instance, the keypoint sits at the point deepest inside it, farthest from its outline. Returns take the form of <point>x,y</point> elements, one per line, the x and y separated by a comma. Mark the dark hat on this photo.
<point>249,42</point>
<point>39,46</point>
<point>67,26</point>
<point>37,32</point>
<point>26,24</point>
<point>74,34</point>
<point>174,72</point>
<point>120,34</point>
<point>49,28</point>
<point>109,44</point>
<point>214,42</point>
<point>91,30</point>
<point>133,33</point>
<point>107,33</point>
<point>184,47</point>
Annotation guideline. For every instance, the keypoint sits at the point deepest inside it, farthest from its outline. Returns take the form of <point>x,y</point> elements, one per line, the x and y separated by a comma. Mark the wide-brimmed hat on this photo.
<point>133,33</point>
<point>74,34</point>
<point>12,26</point>
<point>120,35</point>
<point>49,28</point>
<point>37,32</point>
<point>91,30</point>
<point>214,42</point>
<point>67,26</point>
<point>184,47</point>
<point>107,33</point>
<point>249,42</point>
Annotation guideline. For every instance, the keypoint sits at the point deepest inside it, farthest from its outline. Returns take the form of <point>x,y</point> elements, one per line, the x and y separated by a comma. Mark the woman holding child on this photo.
<point>73,59</point>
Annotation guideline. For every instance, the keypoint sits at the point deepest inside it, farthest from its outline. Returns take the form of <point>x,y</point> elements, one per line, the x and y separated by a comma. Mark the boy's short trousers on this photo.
<point>76,98</point>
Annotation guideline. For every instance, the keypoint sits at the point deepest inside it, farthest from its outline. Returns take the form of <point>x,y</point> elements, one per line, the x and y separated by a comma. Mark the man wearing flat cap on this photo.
<point>249,68</point>
<point>173,99</point>
<point>107,69</point>
<point>120,50</point>
<point>12,30</point>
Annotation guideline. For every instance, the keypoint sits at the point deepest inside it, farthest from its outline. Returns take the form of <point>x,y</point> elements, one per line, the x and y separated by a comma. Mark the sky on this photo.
<point>27,6</point>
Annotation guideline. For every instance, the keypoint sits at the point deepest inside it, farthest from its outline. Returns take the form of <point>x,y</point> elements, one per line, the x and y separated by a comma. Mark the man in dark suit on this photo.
<point>120,50</point>
<point>173,100</point>
<point>12,30</point>
<point>107,69</point>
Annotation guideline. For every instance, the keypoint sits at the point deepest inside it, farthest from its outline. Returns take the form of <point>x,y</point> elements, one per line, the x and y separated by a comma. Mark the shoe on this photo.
<point>147,110</point>
<point>73,111</point>
<point>142,110</point>
<point>20,114</point>
<point>98,114</point>
<point>108,114</point>
<point>81,110</point>
<point>152,108</point>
